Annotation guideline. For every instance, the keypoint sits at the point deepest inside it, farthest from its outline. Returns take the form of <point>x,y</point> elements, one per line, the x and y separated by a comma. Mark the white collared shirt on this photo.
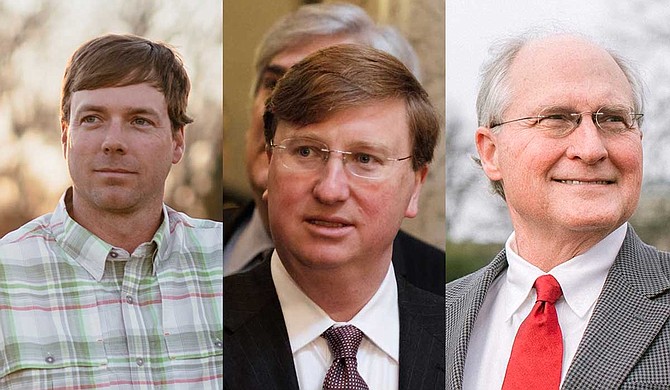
<point>305,321</point>
<point>248,241</point>
<point>511,298</point>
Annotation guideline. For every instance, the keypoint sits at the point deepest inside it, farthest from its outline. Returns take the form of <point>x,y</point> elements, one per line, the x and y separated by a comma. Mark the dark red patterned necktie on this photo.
<point>343,373</point>
<point>537,353</point>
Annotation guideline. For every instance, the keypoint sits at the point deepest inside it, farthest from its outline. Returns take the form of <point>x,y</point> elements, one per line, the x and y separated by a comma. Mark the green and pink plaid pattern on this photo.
<point>77,313</point>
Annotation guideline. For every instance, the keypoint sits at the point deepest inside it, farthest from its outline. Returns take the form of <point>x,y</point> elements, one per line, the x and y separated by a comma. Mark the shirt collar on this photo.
<point>581,278</point>
<point>306,321</point>
<point>246,243</point>
<point>90,251</point>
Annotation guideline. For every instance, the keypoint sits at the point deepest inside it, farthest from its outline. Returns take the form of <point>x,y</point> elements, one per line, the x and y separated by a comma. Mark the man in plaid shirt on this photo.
<point>114,289</point>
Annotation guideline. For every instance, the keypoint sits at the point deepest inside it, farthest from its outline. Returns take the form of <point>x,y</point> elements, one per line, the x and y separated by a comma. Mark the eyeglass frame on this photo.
<point>635,117</point>
<point>327,150</point>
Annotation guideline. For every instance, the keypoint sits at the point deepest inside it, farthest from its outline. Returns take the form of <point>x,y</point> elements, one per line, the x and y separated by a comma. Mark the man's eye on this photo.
<point>553,117</point>
<point>613,118</point>
<point>367,159</point>
<point>141,122</point>
<point>89,119</point>
<point>269,83</point>
<point>306,151</point>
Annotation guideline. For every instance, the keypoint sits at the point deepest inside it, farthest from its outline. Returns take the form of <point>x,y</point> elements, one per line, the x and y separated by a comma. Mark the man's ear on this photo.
<point>64,136</point>
<point>413,205</point>
<point>268,152</point>
<point>487,148</point>
<point>178,145</point>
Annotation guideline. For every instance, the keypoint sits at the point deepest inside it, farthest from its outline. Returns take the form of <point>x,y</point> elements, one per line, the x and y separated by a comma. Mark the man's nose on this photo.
<point>332,185</point>
<point>114,141</point>
<point>587,141</point>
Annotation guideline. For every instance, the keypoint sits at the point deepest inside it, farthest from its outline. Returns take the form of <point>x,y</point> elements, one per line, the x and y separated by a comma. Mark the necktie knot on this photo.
<point>548,289</point>
<point>343,340</point>
<point>343,373</point>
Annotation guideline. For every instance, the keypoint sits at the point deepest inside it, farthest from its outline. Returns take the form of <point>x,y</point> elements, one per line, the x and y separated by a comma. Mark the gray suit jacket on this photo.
<point>257,353</point>
<point>627,341</point>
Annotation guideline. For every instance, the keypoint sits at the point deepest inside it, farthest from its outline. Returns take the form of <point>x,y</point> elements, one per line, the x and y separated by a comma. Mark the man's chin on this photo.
<point>116,200</point>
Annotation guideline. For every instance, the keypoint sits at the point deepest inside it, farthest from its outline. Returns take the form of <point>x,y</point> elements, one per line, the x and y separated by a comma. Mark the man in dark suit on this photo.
<point>350,134</point>
<point>575,299</point>
<point>312,27</point>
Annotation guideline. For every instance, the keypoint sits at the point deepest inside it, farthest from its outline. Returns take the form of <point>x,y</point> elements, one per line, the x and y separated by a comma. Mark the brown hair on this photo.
<point>346,76</point>
<point>120,60</point>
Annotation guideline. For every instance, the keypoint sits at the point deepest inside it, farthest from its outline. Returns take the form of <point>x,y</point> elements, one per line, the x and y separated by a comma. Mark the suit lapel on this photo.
<point>625,321</point>
<point>257,352</point>
<point>461,313</point>
<point>421,338</point>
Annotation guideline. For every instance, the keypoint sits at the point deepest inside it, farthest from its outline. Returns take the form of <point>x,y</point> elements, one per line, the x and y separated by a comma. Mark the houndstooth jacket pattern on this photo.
<point>626,344</point>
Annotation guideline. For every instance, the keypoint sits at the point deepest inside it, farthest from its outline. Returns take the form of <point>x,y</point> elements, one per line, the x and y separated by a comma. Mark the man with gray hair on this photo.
<point>575,300</point>
<point>309,28</point>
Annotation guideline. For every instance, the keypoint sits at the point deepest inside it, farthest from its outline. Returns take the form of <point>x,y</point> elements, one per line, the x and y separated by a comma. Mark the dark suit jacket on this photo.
<point>257,353</point>
<point>627,341</point>
<point>421,264</point>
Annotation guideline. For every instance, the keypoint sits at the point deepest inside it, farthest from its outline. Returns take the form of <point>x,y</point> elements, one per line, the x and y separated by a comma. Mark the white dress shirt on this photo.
<point>511,298</point>
<point>305,322</point>
<point>248,241</point>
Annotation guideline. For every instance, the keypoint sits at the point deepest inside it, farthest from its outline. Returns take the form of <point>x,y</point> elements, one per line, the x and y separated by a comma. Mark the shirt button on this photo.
<point>129,299</point>
<point>219,344</point>
<point>114,255</point>
<point>139,361</point>
<point>49,359</point>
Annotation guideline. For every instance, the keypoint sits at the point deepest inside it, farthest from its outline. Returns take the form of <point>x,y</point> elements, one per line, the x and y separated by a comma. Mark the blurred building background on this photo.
<point>36,39</point>
<point>245,22</point>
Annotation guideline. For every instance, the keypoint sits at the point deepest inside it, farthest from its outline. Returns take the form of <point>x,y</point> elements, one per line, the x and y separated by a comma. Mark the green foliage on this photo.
<point>466,257</point>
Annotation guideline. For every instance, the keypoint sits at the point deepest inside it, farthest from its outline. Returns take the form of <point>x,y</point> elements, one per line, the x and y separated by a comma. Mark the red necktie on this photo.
<point>343,373</point>
<point>537,353</point>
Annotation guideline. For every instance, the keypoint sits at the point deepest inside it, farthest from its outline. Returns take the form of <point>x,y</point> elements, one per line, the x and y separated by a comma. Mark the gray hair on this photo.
<point>331,19</point>
<point>494,96</point>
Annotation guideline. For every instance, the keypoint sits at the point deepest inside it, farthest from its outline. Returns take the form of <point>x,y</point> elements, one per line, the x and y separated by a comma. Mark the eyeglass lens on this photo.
<point>613,120</point>
<point>304,154</point>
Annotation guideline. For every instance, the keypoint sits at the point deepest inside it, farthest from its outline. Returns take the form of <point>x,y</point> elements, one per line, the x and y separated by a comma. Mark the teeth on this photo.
<point>583,182</point>
<point>327,224</point>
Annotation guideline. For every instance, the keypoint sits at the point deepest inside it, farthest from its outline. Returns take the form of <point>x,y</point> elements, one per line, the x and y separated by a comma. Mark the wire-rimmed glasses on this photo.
<point>310,155</point>
<point>559,121</point>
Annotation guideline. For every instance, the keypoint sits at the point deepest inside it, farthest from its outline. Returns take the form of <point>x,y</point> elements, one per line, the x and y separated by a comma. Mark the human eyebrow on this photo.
<point>88,108</point>
<point>369,146</point>
<point>276,70</point>
<point>269,76</point>
<point>142,111</point>
<point>556,109</point>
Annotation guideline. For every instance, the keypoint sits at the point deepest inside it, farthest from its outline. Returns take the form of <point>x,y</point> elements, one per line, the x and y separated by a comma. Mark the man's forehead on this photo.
<point>367,120</point>
<point>135,95</point>
<point>560,65</point>
<point>555,53</point>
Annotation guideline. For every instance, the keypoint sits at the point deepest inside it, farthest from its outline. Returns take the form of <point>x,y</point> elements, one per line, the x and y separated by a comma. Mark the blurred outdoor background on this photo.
<point>477,221</point>
<point>36,39</point>
<point>245,22</point>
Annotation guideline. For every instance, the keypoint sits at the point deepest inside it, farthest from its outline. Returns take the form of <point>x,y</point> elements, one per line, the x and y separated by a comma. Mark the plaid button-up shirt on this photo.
<point>78,313</point>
